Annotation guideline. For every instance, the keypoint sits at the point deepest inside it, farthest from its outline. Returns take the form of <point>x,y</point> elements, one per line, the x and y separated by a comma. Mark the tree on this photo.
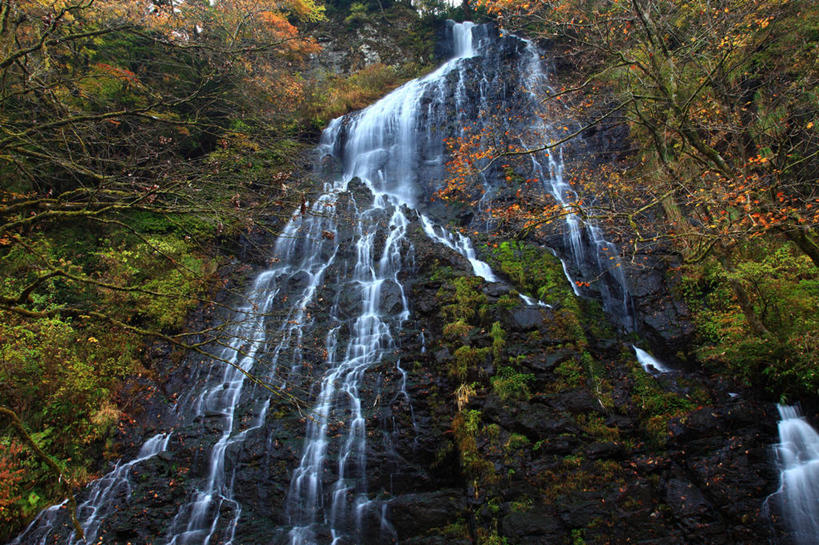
<point>723,115</point>
<point>721,105</point>
<point>131,142</point>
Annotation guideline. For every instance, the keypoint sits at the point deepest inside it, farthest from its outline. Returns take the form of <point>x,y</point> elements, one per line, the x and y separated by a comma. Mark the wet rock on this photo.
<point>540,421</point>
<point>165,455</point>
<point>415,514</point>
<point>579,401</point>
<point>526,318</point>
<point>391,299</point>
<point>495,289</point>
<point>537,522</point>
<point>443,355</point>
<point>685,499</point>
<point>607,450</point>
<point>544,362</point>
<point>583,508</point>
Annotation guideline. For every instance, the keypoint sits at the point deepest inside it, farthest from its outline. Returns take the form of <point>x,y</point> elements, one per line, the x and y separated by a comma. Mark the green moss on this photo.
<point>601,386</point>
<point>498,341</point>
<point>657,406</point>
<point>457,331</point>
<point>522,504</point>
<point>575,474</point>
<point>440,273</point>
<point>468,303</point>
<point>572,375</point>
<point>491,538</point>
<point>507,302</point>
<point>457,529</point>
<point>594,425</point>
<point>492,431</point>
<point>533,271</point>
<point>517,441</point>
<point>467,360</point>
<point>577,537</point>
<point>509,384</point>
<point>566,324</point>
<point>471,421</point>
<point>594,318</point>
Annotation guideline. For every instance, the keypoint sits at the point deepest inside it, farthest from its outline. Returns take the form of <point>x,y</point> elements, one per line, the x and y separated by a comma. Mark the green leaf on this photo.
<point>33,499</point>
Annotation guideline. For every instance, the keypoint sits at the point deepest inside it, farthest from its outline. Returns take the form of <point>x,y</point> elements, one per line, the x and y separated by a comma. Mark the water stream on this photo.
<point>797,457</point>
<point>343,256</point>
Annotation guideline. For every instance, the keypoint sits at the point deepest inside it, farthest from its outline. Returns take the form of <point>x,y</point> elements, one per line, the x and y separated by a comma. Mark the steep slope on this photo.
<point>437,401</point>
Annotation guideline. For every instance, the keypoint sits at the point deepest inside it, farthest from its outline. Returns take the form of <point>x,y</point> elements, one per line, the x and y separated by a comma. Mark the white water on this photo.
<point>102,491</point>
<point>41,527</point>
<point>365,249</point>
<point>591,253</point>
<point>380,147</point>
<point>649,363</point>
<point>101,495</point>
<point>797,457</point>
<point>460,244</point>
<point>463,246</point>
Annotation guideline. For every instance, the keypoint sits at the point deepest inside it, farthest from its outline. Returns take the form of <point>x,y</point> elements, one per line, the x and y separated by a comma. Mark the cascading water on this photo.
<point>463,246</point>
<point>342,257</point>
<point>592,255</point>
<point>649,363</point>
<point>797,456</point>
<point>460,244</point>
<point>381,147</point>
<point>99,503</point>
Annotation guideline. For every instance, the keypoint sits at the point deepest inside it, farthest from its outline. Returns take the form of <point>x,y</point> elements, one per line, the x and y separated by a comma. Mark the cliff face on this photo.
<point>511,422</point>
<point>404,394</point>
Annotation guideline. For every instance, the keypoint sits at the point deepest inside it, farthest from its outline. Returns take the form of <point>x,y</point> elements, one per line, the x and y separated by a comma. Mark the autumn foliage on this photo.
<point>134,136</point>
<point>721,170</point>
<point>719,97</point>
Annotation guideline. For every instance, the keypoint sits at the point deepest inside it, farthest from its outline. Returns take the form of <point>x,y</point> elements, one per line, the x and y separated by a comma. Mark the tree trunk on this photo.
<point>744,301</point>
<point>806,242</point>
<point>467,9</point>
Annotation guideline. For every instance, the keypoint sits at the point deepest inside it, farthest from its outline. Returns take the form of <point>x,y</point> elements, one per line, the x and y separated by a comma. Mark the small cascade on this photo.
<point>463,246</point>
<point>102,491</point>
<point>534,302</point>
<point>100,502</point>
<point>460,244</point>
<point>594,257</point>
<point>797,458</point>
<point>649,363</point>
<point>41,527</point>
<point>572,283</point>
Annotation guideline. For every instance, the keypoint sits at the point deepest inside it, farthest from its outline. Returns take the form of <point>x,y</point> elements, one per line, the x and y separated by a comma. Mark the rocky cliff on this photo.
<point>394,395</point>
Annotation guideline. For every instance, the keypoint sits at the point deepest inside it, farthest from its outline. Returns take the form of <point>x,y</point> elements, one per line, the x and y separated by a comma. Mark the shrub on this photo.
<point>508,384</point>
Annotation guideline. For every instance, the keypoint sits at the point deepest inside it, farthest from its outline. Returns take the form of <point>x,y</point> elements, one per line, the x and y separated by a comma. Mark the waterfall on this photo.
<point>797,457</point>
<point>98,505</point>
<point>592,255</point>
<point>380,146</point>
<point>649,363</point>
<point>343,257</point>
